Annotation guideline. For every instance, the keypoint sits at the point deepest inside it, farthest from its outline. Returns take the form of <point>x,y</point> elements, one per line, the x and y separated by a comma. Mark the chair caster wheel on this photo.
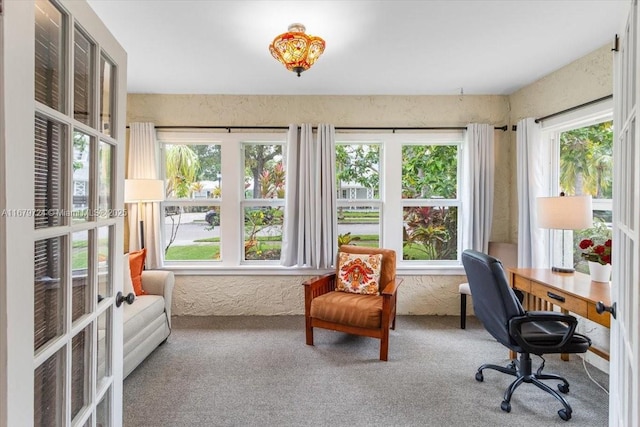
<point>563,388</point>
<point>564,414</point>
<point>479,377</point>
<point>506,406</point>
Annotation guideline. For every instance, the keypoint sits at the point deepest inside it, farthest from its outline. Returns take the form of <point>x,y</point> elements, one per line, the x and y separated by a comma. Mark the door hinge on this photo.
<point>615,48</point>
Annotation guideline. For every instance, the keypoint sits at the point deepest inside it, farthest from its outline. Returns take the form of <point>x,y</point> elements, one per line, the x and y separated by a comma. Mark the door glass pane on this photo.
<point>80,294</point>
<point>48,387</point>
<point>50,32</point>
<point>105,166</point>
<point>103,410</point>
<point>82,78</point>
<point>81,175</point>
<point>49,152</point>
<point>105,282</point>
<point>104,347</point>
<point>80,368</point>
<point>107,71</point>
<point>49,303</point>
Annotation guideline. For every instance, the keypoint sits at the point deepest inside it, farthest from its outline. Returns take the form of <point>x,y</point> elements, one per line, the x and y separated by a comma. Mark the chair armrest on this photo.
<point>392,287</point>
<point>160,282</point>
<point>321,284</point>
<point>515,329</point>
<point>317,286</point>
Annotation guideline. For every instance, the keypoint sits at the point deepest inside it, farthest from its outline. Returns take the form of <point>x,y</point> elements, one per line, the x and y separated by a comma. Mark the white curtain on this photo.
<point>310,224</point>
<point>533,182</point>
<point>142,163</point>
<point>479,173</point>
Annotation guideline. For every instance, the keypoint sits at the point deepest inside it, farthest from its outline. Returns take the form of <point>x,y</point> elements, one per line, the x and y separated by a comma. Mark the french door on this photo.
<point>625,330</point>
<point>63,85</point>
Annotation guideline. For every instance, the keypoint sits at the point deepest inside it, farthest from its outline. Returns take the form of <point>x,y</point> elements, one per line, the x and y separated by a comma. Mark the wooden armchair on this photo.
<point>366,315</point>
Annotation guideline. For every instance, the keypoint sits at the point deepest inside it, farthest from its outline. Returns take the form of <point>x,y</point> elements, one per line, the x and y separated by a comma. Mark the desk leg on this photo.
<point>564,356</point>
<point>513,355</point>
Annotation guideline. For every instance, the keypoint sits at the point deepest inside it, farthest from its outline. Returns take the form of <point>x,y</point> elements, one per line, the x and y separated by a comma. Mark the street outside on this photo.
<point>194,227</point>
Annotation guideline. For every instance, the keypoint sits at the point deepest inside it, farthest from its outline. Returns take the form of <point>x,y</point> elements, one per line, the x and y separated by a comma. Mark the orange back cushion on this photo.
<point>136,263</point>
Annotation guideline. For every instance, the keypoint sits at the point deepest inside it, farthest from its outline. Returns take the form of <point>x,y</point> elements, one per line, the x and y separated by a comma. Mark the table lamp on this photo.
<point>564,213</point>
<point>142,191</point>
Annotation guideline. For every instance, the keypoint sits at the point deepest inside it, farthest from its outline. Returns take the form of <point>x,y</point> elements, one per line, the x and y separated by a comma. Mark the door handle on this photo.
<point>601,308</point>
<point>121,298</point>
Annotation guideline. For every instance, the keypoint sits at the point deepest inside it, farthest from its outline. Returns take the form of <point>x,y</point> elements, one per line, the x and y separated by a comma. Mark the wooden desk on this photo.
<point>572,292</point>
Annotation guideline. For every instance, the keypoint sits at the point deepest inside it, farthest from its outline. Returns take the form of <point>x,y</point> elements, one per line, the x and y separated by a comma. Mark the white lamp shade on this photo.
<point>565,212</point>
<point>143,190</point>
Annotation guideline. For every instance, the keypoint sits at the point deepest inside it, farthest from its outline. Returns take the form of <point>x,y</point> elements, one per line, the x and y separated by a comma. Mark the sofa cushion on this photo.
<point>141,313</point>
<point>363,311</point>
<point>136,263</point>
<point>359,273</point>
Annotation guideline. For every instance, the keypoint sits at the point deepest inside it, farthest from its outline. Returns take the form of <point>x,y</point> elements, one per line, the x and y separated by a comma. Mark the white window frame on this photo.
<point>232,198</point>
<point>551,130</point>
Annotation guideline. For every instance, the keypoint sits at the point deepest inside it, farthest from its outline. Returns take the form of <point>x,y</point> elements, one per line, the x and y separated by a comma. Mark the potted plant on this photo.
<point>596,249</point>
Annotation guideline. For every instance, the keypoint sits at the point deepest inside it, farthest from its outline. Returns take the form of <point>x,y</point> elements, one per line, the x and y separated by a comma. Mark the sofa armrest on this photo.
<point>160,282</point>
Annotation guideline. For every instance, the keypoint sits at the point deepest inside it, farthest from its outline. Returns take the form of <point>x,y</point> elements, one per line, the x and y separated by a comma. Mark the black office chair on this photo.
<point>543,332</point>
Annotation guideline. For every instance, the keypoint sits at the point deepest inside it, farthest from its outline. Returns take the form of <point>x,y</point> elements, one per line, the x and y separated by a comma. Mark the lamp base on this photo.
<point>563,270</point>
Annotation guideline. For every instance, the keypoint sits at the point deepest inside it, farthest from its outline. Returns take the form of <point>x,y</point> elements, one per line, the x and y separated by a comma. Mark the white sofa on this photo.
<point>147,321</point>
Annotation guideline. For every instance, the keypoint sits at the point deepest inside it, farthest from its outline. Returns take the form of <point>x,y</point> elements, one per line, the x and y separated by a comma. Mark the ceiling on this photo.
<point>397,47</point>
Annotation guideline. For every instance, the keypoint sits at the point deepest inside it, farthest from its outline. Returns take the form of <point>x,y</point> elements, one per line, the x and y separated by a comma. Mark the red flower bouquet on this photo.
<point>600,253</point>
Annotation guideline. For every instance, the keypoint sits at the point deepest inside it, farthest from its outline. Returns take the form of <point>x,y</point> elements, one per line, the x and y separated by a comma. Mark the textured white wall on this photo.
<point>284,295</point>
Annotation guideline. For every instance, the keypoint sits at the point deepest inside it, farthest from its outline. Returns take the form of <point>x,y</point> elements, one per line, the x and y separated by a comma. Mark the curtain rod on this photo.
<point>393,129</point>
<point>568,110</point>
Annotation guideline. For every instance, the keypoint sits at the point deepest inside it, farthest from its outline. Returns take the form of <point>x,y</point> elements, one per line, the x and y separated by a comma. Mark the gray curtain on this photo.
<point>310,224</point>
<point>479,173</point>
<point>533,181</point>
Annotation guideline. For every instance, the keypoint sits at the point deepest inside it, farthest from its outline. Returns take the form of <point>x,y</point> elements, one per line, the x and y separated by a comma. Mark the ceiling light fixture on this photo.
<point>297,50</point>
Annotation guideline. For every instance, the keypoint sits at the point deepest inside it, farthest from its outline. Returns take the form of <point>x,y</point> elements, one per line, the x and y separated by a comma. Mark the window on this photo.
<point>358,193</point>
<point>263,201</point>
<point>193,179</point>
<point>430,203</point>
<point>226,195</point>
<point>582,153</point>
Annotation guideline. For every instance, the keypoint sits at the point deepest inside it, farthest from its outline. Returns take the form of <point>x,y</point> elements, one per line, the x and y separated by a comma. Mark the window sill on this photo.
<point>277,270</point>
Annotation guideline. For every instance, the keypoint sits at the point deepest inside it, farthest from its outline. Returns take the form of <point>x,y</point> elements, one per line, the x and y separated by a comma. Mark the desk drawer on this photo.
<point>521,283</point>
<point>561,299</point>
<point>604,319</point>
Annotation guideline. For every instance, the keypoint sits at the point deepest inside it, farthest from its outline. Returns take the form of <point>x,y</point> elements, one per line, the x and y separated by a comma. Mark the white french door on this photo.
<point>625,330</point>
<point>63,85</point>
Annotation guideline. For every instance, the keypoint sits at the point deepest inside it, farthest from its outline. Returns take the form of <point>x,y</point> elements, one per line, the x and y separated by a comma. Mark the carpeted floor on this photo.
<point>257,371</point>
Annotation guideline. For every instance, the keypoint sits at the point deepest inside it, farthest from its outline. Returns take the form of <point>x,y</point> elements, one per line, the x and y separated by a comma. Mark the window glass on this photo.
<point>193,177</point>
<point>430,227</point>
<point>50,33</point>
<point>264,179</point>
<point>83,51</point>
<point>586,168</point>
<point>357,186</point>
<point>264,176</point>
<point>107,71</point>
<point>81,175</point>
<point>49,152</point>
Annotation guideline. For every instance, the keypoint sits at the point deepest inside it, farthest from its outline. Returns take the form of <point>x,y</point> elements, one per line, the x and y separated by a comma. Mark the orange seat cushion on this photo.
<point>363,311</point>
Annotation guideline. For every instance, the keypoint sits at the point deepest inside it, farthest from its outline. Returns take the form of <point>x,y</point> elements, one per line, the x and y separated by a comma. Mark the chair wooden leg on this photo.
<point>463,311</point>
<point>384,345</point>
<point>309,331</point>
